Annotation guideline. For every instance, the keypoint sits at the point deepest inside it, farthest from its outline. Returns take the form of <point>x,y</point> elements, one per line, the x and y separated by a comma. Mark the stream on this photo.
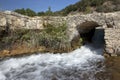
<point>85,63</point>
<point>82,64</point>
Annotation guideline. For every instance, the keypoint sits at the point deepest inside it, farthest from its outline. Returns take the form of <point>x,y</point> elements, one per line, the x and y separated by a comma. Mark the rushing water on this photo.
<point>81,64</point>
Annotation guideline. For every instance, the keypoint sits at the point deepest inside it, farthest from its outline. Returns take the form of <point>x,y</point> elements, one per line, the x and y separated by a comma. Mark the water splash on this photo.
<point>81,64</point>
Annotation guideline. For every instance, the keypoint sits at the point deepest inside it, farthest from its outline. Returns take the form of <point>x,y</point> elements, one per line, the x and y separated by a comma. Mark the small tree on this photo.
<point>40,13</point>
<point>49,12</point>
<point>88,9</point>
<point>30,12</point>
<point>20,11</point>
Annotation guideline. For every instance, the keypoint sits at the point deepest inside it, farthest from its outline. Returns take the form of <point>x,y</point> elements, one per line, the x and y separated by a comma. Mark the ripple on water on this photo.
<point>81,64</point>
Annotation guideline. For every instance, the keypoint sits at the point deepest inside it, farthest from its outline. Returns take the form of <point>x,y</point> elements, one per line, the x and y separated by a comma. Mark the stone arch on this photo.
<point>88,29</point>
<point>86,26</point>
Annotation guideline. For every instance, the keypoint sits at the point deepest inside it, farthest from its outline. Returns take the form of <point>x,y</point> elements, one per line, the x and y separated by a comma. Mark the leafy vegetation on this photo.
<point>87,6</point>
<point>84,6</point>
<point>27,12</point>
<point>32,13</point>
<point>52,37</point>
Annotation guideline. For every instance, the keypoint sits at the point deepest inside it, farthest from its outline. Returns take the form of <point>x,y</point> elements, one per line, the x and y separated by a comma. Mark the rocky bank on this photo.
<point>18,32</point>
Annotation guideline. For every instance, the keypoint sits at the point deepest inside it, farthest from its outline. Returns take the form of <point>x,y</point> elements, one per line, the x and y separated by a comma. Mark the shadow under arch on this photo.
<point>91,32</point>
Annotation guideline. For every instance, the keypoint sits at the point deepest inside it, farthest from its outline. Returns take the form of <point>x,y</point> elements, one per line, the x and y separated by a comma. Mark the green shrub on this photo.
<point>88,10</point>
<point>26,37</point>
<point>51,37</point>
<point>27,12</point>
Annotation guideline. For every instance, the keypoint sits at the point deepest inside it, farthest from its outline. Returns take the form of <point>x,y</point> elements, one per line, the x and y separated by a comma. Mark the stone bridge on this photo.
<point>109,23</point>
<point>78,25</point>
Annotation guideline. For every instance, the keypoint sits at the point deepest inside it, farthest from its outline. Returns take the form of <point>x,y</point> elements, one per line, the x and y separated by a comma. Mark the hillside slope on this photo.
<point>88,6</point>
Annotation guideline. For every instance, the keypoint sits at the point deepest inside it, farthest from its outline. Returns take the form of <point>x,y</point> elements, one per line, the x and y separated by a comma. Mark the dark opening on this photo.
<point>87,36</point>
<point>91,32</point>
<point>94,36</point>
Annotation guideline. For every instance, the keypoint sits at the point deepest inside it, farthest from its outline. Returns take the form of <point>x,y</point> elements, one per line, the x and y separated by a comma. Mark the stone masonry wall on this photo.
<point>109,21</point>
<point>17,21</point>
<point>112,41</point>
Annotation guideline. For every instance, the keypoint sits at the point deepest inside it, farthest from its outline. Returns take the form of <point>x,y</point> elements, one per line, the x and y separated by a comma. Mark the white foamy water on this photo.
<point>81,64</point>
